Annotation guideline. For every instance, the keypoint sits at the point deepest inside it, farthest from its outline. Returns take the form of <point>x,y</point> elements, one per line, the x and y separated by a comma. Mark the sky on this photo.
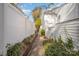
<point>28,7</point>
<point>31,6</point>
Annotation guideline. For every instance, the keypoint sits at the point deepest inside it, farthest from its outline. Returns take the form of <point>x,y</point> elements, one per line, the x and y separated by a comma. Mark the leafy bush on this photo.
<point>38,22</point>
<point>47,41</point>
<point>19,48</point>
<point>69,44</point>
<point>42,31</point>
<point>14,50</point>
<point>27,41</point>
<point>59,48</point>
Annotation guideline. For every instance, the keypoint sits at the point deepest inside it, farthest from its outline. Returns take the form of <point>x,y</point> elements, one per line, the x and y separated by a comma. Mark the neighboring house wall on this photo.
<point>68,20</point>
<point>14,24</point>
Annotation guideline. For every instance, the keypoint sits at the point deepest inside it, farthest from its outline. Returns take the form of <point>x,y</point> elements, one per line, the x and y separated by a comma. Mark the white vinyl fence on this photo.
<point>14,26</point>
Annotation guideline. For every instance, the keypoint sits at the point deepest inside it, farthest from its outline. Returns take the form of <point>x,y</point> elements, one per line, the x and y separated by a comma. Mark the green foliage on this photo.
<point>59,48</point>
<point>42,31</point>
<point>36,13</point>
<point>27,40</point>
<point>38,22</point>
<point>18,48</point>
<point>69,44</point>
<point>14,50</point>
<point>47,41</point>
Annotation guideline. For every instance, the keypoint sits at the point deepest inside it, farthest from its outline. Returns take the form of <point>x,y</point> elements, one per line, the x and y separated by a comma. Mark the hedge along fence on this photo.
<point>60,48</point>
<point>20,48</point>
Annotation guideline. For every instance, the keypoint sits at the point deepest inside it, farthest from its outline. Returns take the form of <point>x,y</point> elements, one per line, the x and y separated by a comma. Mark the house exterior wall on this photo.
<point>68,12</point>
<point>69,29</point>
<point>67,21</point>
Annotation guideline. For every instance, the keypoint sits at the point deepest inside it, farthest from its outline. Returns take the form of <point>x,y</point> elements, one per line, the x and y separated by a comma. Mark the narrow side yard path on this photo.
<point>37,47</point>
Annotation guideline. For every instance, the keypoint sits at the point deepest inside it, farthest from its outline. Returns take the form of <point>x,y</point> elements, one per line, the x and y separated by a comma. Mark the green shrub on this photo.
<point>69,44</point>
<point>59,48</point>
<point>28,40</point>
<point>38,22</point>
<point>47,41</point>
<point>14,50</point>
<point>42,31</point>
<point>32,36</point>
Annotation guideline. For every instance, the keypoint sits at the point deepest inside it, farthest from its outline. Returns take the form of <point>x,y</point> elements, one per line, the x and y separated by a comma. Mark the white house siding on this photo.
<point>68,21</point>
<point>13,26</point>
<point>68,12</point>
<point>72,28</point>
